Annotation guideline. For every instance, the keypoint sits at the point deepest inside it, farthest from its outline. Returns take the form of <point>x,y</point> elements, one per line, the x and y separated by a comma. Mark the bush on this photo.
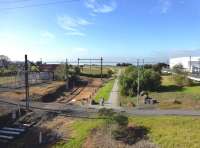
<point>150,80</point>
<point>110,72</point>
<point>130,135</point>
<point>121,120</point>
<point>106,112</point>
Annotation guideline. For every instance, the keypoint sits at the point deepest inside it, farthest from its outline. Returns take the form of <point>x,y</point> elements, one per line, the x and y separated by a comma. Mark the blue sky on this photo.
<point>115,29</point>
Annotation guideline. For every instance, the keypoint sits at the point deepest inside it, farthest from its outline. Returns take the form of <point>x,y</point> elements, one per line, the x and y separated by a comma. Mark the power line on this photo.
<point>39,4</point>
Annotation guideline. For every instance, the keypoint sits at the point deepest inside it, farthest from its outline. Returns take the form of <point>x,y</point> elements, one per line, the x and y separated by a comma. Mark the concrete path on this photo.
<point>113,99</point>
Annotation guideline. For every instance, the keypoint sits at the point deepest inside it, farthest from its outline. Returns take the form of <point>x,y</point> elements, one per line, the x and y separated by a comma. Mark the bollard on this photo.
<point>19,110</point>
<point>40,138</point>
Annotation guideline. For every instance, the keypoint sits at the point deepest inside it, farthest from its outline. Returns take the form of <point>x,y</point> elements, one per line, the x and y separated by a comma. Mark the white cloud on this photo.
<point>75,33</point>
<point>72,26</point>
<point>165,6</point>
<point>47,34</point>
<point>101,6</point>
<point>46,37</point>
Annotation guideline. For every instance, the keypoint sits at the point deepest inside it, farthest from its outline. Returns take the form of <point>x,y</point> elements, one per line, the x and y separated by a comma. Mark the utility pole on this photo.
<point>138,86</point>
<point>90,66</point>
<point>199,67</point>
<point>101,67</point>
<point>143,64</point>
<point>66,73</point>
<point>190,63</point>
<point>78,62</point>
<point>26,82</point>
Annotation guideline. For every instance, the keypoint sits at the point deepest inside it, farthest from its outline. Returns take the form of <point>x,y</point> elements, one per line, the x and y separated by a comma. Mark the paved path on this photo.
<point>113,99</point>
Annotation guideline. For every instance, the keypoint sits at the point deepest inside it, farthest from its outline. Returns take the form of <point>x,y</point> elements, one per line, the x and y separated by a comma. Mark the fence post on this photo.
<point>26,82</point>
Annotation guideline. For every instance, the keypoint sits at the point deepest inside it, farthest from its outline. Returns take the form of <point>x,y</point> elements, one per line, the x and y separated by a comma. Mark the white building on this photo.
<point>191,64</point>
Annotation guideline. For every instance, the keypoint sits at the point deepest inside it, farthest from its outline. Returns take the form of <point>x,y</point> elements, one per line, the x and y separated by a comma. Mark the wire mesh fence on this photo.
<point>17,79</point>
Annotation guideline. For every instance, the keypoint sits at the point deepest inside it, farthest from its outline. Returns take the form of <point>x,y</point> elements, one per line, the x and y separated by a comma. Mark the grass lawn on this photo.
<point>171,131</point>
<point>164,131</point>
<point>105,90</point>
<point>188,96</point>
<point>167,82</point>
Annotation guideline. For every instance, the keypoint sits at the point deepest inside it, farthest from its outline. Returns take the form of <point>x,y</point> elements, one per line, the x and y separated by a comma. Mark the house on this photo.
<point>190,64</point>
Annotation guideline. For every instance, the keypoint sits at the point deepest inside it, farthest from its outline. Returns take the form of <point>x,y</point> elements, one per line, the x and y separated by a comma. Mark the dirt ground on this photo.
<point>88,91</point>
<point>79,94</point>
<point>38,90</point>
<point>56,92</point>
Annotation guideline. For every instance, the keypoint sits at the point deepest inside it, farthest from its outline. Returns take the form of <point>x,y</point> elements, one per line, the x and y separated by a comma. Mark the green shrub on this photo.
<point>106,112</point>
<point>121,120</point>
<point>110,72</point>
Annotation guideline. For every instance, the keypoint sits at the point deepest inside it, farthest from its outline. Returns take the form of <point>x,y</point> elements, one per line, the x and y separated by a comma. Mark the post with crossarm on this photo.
<point>26,82</point>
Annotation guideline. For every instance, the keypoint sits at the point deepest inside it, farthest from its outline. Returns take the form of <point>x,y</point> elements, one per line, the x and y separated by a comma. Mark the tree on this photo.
<point>123,64</point>
<point>180,76</point>
<point>60,72</point>
<point>4,61</point>
<point>150,80</point>
<point>178,68</point>
<point>34,68</point>
<point>156,67</point>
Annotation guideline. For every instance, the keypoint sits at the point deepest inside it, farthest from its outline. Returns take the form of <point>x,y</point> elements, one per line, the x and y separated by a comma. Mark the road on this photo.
<point>113,100</point>
<point>86,111</point>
